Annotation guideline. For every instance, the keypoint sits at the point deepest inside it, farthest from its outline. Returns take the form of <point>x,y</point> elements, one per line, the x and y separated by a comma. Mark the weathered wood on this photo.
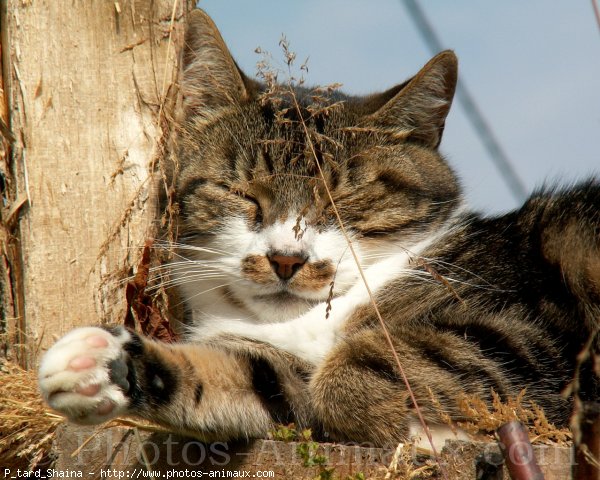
<point>85,82</point>
<point>120,451</point>
<point>12,299</point>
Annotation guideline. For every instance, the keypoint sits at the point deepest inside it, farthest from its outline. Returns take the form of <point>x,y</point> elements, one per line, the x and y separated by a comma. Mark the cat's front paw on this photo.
<point>84,375</point>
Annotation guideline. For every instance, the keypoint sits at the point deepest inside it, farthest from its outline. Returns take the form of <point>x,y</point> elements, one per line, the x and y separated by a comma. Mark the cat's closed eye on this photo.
<point>254,206</point>
<point>255,211</point>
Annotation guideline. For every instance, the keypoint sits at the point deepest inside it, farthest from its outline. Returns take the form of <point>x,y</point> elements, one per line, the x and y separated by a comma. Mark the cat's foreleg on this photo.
<point>358,393</point>
<point>93,375</point>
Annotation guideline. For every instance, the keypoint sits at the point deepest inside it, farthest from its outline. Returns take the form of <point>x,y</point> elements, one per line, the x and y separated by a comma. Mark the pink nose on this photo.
<point>285,266</point>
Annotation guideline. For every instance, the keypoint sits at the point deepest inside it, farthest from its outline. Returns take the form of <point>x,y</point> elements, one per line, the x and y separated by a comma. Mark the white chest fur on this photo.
<point>311,335</point>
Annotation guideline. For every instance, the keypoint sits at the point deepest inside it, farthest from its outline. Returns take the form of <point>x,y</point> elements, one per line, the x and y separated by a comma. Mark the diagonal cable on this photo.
<point>478,121</point>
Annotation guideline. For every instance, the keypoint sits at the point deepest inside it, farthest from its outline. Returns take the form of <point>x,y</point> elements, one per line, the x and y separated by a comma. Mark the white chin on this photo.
<point>283,297</point>
<point>279,306</point>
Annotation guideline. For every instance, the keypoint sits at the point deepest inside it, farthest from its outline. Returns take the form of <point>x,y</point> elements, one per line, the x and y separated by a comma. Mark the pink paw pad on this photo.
<point>88,391</point>
<point>105,407</point>
<point>82,363</point>
<point>97,341</point>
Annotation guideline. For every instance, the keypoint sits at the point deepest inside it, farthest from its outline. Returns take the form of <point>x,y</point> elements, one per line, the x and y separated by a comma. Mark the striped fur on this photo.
<point>472,303</point>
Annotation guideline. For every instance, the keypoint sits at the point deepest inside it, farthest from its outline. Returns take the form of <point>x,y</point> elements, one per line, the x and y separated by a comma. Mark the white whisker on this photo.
<point>185,246</point>
<point>208,290</point>
<point>187,266</point>
<point>184,280</point>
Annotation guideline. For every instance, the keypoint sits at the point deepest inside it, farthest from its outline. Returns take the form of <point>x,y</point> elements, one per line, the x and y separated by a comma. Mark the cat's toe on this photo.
<point>84,375</point>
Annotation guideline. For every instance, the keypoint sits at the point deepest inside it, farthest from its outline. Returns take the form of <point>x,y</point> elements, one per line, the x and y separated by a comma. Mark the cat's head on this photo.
<point>261,180</point>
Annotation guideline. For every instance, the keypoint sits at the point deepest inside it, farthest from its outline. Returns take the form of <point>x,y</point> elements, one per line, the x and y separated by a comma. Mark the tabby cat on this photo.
<point>281,326</point>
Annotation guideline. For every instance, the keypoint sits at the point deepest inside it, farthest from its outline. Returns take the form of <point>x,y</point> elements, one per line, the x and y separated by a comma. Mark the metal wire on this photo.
<point>472,111</point>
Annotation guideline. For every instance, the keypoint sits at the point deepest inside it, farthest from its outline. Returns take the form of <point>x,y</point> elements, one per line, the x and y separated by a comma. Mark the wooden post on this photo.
<point>84,85</point>
<point>587,449</point>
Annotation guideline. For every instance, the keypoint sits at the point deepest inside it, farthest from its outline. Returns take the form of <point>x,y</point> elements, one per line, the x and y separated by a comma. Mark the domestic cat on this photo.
<point>281,325</point>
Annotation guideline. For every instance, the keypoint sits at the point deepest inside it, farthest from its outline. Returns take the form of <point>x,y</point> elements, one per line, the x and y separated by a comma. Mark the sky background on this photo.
<point>533,68</point>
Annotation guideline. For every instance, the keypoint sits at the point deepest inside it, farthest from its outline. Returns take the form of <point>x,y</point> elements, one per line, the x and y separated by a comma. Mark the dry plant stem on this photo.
<point>163,99</point>
<point>143,452</point>
<point>164,85</point>
<point>587,450</point>
<point>596,11</point>
<point>393,467</point>
<point>369,292</point>
<point>118,422</point>
<point>573,389</point>
<point>85,442</point>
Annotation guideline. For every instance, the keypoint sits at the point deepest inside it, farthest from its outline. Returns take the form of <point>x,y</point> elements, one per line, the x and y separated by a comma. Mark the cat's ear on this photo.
<point>418,108</point>
<point>211,78</point>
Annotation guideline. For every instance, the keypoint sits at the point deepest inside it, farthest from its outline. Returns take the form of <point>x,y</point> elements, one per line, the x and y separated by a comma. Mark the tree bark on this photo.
<point>85,87</point>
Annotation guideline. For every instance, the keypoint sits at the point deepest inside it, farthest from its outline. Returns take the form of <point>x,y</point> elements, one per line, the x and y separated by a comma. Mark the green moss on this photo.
<point>308,450</point>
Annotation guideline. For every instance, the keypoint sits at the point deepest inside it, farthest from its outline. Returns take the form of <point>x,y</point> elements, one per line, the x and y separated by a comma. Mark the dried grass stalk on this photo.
<point>27,425</point>
<point>484,419</point>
